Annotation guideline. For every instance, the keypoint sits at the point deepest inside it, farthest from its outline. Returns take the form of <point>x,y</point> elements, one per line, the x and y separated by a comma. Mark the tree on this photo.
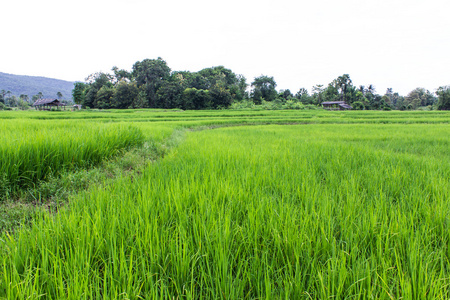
<point>3,94</point>
<point>331,93</point>
<point>303,96</point>
<point>317,93</point>
<point>360,101</point>
<point>419,97</point>
<point>342,84</point>
<point>95,82</point>
<point>125,94</point>
<point>24,97</point>
<point>286,94</point>
<point>59,95</point>
<point>219,73</point>
<point>103,98</point>
<point>443,93</point>
<point>120,74</point>
<point>220,96</point>
<point>358,105</point>
<point>23,105</point>
<point>13,102</point>
<point>370,96</point>
<point>242,87</point>
<point>78,92</point>
<point>390,95</point>
<point>7,98</point>
<point>196,99</point>
<point>264,88</point>
<point>150,74</point>
<point>169,95</point>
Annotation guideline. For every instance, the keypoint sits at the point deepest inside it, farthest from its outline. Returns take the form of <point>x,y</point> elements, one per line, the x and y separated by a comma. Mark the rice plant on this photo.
<point>32,150</point>
<point>255,212</point>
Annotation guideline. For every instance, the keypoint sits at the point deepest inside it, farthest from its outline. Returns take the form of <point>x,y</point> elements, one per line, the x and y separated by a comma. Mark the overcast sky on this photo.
<point>401,44</point>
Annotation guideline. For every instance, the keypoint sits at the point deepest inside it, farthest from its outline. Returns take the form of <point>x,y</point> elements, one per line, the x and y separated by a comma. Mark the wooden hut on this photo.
<point>336,105</point>
<point>47,104</point>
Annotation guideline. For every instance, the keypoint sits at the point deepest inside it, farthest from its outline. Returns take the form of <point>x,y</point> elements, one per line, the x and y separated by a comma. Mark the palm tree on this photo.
<point>8,94</point>
<point>23,97</point>
<point>342,83</point>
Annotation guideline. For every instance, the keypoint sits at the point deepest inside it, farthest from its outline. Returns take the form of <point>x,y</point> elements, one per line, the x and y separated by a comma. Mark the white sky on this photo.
<point>401,44</point>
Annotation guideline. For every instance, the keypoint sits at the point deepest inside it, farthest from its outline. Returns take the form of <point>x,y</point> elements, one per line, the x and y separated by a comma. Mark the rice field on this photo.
<point>334,205</point>
<point>32,150</point>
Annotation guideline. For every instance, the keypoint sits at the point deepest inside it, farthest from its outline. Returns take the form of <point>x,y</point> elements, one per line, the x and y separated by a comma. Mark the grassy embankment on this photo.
<point>302,211</point>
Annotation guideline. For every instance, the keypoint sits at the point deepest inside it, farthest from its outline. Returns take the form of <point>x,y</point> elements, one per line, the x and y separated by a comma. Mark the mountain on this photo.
<point>32,85</point>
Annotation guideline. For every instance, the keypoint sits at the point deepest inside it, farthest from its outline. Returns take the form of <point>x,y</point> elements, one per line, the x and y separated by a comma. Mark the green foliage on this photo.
<point>419,97</point>
<point>358,105</point>
<point>151,84</point>
<point>94,83</point>
<point>23,105</point>
<point>220,96</point>
<point>343,85</point>
<point>196,99</point>
<point>271,105</point>
<point>104,97</point>
<point>244,104</point>
<point>170,94</point>
<point>150,71</point>
<point>125,94</point>
<point>78,92</point>
<point>264,89</point>
<point>150,75</point>
<point>330,93</point>
<point>444,98</point>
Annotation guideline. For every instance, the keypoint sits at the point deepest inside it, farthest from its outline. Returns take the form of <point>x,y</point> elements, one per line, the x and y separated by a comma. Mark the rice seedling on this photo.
<point>254,212</point>
<point>32,150</point>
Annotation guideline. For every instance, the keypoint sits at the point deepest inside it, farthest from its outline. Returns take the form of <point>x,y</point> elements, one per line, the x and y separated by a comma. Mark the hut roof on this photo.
<point>346,106</point>
<point>333,102</point>
<point>48,102</point>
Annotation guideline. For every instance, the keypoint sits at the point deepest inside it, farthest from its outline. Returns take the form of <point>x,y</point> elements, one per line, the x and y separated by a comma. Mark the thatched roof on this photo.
<point>50,102</point>
<point>338,103</point>
<point>346,106</point>
<point>333,102</point>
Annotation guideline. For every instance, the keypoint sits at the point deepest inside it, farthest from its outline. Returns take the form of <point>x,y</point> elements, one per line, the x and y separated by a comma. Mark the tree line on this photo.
<point>152,84</point>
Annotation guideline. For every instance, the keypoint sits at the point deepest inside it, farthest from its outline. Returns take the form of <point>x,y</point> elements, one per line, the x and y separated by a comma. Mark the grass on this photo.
<point>309,211</point>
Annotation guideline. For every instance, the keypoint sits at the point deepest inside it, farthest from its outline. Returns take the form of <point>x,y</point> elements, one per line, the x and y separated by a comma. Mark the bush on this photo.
<point>358,105</point>
<point>4,107</point>
<point>244,104</point>
<point>290,104</point>
<point>311,107</point>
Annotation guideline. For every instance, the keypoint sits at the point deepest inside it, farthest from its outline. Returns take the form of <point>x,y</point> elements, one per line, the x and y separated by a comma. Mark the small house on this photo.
<point>47,104</point>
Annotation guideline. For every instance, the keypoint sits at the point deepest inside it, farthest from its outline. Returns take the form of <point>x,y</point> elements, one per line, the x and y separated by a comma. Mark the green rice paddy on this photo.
<point>31,150</point>
<point>287,205</point>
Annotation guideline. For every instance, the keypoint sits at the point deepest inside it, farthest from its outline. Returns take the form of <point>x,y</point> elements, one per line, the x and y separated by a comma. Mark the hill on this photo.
<point>32,85</point>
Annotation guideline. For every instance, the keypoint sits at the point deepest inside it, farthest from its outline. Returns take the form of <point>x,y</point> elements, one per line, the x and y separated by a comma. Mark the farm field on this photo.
<point>246,205</point>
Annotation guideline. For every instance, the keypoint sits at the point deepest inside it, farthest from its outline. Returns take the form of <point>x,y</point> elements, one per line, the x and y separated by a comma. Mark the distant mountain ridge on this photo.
<point>32,85</point>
